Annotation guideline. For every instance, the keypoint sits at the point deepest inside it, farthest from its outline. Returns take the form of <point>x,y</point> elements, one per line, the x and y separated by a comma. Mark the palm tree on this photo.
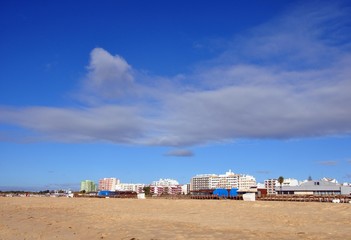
<point>281,180</point>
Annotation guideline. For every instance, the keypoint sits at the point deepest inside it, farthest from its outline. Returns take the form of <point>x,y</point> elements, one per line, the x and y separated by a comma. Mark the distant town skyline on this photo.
<point>148,90</point>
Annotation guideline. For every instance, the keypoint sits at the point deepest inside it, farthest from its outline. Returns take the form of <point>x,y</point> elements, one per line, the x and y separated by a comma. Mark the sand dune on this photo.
<point>83,218</point>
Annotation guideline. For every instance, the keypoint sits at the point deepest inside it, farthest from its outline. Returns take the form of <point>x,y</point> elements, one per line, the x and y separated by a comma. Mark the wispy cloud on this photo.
<point>328,163</point>
<point>287,78</point>
<point>180,153</point>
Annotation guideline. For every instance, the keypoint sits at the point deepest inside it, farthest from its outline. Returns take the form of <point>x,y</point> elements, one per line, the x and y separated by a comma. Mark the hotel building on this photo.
<point>108,184</point>
<point>228,180</point>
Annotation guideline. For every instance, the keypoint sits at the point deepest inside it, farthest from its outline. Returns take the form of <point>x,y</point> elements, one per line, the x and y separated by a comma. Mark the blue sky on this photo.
<point>169,89</point>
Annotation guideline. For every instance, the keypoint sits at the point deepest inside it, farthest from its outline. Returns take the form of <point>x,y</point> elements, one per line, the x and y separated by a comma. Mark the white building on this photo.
<point>270,185</point>
<point>165,186</point>
<point>316,187</point>
<point>228,180</point>
<point>246,182</point>
<point>290,182</point>
<point>171,190</point>
<point>165,182</point>
<point>186,189</point>
<point>332,180</point>
<point>134,187</point>
<point>204,181</point>
<point>156,190</point>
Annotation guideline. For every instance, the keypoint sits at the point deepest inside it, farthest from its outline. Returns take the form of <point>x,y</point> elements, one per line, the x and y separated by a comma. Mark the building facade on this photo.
<point>134,187</point>
<point>270,185</point>
<point>88,186</point>
<point>186,189</point>
<point>165,186</point>
<point>290,182</point>
<point>246,183</point>
<point>203,181</point>
<point>228,180</point>
<point>165,182</point>
<point>170,190</point>
<point>316,187</point>
<point>108,184</point>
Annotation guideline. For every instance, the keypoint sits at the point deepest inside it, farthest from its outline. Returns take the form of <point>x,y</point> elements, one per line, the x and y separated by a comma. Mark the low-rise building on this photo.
<point>316,187</point>
<point>186,189</point>
<point>272,184</point>
<point>165,186</point>
<point>157,190</point>
<point>290,182</point>
<point>134,187</point>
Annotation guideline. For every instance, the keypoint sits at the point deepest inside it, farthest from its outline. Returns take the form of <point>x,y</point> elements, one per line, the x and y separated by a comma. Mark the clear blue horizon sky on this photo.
<point>169,89</point>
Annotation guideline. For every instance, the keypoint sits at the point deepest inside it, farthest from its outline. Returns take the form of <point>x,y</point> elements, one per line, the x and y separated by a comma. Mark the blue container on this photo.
<point>221,192</point>
<point>104,193</point>
<point>233,192</point>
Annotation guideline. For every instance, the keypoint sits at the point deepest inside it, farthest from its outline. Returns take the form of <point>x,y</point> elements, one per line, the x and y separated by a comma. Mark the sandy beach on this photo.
<point>83,218</point>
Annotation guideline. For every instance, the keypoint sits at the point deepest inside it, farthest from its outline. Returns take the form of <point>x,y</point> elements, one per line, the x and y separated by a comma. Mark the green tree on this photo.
<point>281,180</point>
<point>147,190</point>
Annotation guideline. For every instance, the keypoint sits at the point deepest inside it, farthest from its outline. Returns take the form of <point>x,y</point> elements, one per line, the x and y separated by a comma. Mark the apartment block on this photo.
<point>88,186</point>
<point>108,184</point>
<point>171,190</point>
<point>270,185</point>
<point>228,180</point>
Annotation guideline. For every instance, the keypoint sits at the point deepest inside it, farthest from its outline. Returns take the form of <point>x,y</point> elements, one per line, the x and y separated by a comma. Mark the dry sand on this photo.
<point>83,218</point>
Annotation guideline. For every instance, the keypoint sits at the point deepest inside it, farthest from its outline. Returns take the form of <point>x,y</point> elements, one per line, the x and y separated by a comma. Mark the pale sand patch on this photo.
<point>82,218</point>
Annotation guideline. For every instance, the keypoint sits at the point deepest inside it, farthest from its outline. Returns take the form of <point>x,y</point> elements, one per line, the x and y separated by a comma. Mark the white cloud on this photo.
<point>105,123</point>
<point>284,79</point>
<point>109,76</point>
